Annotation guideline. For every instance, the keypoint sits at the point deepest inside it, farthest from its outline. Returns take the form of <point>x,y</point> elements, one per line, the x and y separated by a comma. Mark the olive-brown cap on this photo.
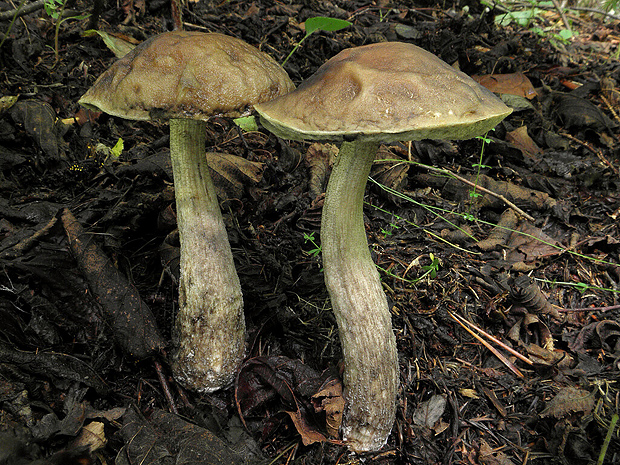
<point>384,92</point>
<point>187,75</point>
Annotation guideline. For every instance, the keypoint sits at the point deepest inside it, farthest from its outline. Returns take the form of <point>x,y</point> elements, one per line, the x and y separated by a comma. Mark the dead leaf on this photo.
<point>489,456</point>
<point>521,140</point>
<point>7,101</point>
<point>430,411</point>
<point>546,357</point>
<point>329,399</point>
<point>567,400</point>
<point>232,173</point>
<point>39,121</point>
<point>529,243</point>
<point>469,393</point>
<point>308,434</point>
<point>512,83</point>
<point>92,436</point>
<point>525,198</point>
<point>525,291</point>
<point>578,113</point>
<point>501,232</point>
<point>167,438</point>
<point>609,333</point>
<point>280,383</point>
<point>54,364</point>
<point>319,158</point>
<point>389,171</point>
<point>119,44</point>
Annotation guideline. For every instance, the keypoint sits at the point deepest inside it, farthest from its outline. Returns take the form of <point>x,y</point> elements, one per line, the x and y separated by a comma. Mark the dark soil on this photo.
<point>71,387</point>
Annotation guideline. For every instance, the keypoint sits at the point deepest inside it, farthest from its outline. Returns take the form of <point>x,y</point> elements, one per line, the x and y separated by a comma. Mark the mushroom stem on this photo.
<point>209,333</point>
<point>359,303</point>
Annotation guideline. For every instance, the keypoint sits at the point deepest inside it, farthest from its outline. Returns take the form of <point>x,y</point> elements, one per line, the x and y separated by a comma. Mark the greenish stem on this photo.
<point>359,303</point>
<point>209,334</point>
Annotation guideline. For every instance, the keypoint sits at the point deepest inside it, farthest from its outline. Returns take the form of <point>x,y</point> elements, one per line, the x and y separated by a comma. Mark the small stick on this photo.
<point>597,152</point>
<point>165,386</point>
<point>482,189</point>
<point>495,352</point>
<point>22,10</point>
<point>497,341</point>
<point>562,15</point>
<point>588,309</point>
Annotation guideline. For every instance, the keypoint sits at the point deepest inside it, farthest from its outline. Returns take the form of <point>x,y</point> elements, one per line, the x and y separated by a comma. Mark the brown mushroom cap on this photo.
<point>187,75</point>
<point>384,92</point>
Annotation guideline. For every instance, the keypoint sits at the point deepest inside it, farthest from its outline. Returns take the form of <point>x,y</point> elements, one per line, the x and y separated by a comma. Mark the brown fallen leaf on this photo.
<point>429,412</point>
<point>526,292</point>
<point>40,122</point>
<point>167,438</point>
<point>276,384</point>
<point>329,399</point>
<point>512,83</point>
<point>489,456</point>
<point>569,399</point>
<point>319,158</point>
<point>528,244</point>
<point>389,170</point>
<point>92,436</point>
<point>545,357</point>
<point>501,232</point>
<point>525,198</point>
<point>308,434</point>
<point>577,113</point>
<point>232,173</point>
<point>522,141</point>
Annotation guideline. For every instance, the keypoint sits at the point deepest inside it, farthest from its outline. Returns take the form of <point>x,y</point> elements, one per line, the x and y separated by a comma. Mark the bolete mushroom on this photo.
<point>363,96</point>
<point>187,77</point>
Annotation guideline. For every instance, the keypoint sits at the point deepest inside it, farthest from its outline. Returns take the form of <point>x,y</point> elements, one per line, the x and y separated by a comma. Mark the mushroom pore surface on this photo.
<point>187,75</point>
<point>385,91</point>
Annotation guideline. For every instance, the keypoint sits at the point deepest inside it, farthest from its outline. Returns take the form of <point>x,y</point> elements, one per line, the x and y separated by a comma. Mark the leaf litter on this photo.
<point>555,159</point>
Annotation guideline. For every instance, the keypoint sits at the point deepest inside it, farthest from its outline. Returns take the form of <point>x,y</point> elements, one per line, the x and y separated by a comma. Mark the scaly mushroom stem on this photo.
<point>209,333</point>
<point>359,303</point>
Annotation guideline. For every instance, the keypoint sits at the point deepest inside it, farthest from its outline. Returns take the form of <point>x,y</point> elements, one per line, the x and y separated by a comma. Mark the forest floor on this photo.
<point>545,283</point>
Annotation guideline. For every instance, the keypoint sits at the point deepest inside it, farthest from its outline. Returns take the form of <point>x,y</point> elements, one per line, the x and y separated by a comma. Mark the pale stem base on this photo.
<point>209,333</point>
<point>359,303</point>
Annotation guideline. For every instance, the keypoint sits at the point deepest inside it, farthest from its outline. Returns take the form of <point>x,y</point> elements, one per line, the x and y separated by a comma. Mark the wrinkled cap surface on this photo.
<point>187,75</point>
<point>385,92</point>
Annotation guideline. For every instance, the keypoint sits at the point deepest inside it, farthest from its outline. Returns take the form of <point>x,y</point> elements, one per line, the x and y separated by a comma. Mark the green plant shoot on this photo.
<point>117,150</point>
<point>478,166</point>
<point>431,270</point>
<point>55,10</point>
<point>317,248</point>
<point>319,23</point>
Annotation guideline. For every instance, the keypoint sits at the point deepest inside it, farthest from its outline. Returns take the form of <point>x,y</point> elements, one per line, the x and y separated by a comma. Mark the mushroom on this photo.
<point>363,96</point>
<point>187,77</point>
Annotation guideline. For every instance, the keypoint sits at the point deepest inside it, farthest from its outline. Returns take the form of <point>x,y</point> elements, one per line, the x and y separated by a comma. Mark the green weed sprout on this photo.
<point>317,248</point>
<point>478,166</point>
<point>610,432</point>
<point>526,17</point>
<point>389,230</point>
<point>55,10</point>
<point>318,23</point>
<point>431,270</point>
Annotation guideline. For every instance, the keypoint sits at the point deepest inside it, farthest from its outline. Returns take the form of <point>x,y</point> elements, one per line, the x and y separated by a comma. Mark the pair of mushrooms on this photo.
<point>363,96</point>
